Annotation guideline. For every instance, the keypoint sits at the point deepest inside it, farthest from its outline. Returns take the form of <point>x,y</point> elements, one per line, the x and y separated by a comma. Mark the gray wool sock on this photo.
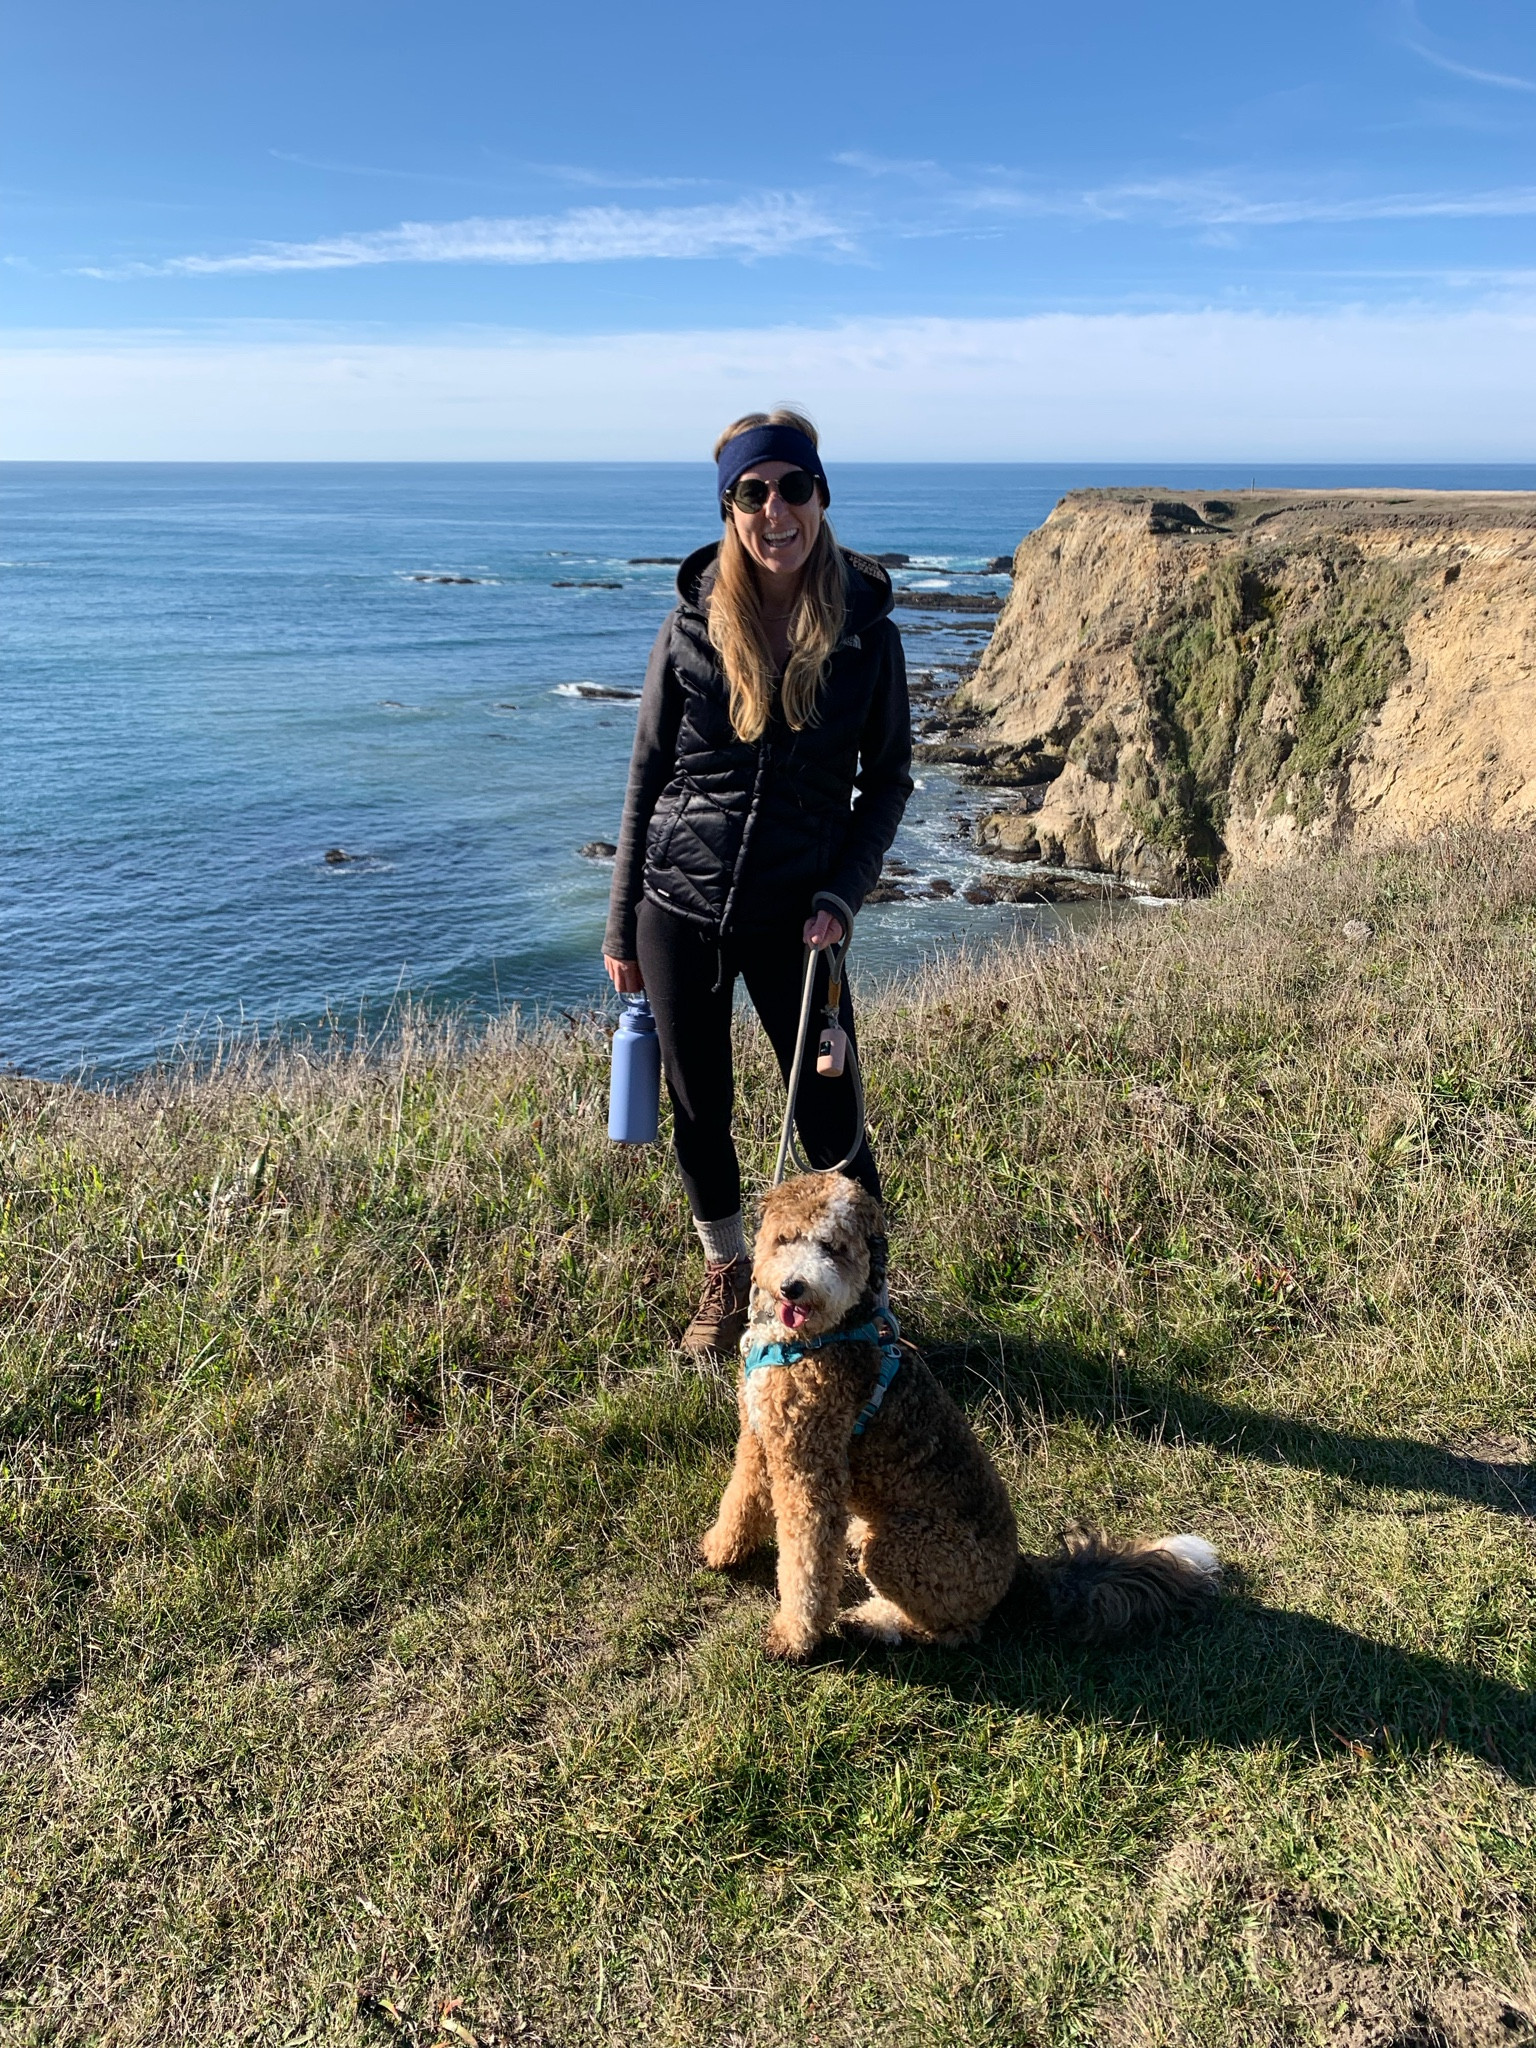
<point>722,1241</point>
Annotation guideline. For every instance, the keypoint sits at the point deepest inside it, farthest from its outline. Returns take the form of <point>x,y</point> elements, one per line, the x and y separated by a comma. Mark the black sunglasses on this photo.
<point>750,493</point>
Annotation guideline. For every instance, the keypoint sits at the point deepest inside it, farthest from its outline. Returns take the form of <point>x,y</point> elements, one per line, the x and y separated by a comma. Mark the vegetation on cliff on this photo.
<point>1260,680</point>
<point>359,1681</point>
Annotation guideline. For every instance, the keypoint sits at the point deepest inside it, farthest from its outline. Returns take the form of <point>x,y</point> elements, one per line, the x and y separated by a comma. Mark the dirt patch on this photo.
<point>37,1732</point>
<point>1495,1449</point>
<point>1365,2005</point>
<point>1505,1465</point>
<point>1210,1917</point>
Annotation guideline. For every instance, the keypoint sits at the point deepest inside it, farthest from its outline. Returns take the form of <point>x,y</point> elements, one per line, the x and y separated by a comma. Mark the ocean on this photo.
<point>215,675</point>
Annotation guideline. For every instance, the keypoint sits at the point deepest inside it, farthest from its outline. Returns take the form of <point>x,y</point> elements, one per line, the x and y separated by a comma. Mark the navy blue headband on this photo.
<point>768,444</point>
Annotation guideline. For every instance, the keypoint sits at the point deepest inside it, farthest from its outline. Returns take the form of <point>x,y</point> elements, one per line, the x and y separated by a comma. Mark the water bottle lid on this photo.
<point>638,1014</point>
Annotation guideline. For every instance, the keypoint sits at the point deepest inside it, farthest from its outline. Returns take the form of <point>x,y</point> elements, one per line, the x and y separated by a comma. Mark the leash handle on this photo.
<point>837,952</point>
<point>787,1128</point>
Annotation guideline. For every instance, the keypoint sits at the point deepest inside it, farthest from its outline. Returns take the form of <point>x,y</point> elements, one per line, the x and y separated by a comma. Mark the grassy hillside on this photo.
<point>358,1680</point>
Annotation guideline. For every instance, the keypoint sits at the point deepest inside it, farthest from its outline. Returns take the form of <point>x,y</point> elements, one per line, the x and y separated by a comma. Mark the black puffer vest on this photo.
<point>728,833</point>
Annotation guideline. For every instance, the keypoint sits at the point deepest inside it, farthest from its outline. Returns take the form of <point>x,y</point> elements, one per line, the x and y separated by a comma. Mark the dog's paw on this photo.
<point>876,1621</point>
<point>720,1549</point>
<point>786,1644</point>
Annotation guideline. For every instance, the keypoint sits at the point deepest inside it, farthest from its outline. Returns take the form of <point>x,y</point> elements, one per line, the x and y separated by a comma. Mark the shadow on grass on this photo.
<point>1055,1381</point>
<point>1250,1677</point>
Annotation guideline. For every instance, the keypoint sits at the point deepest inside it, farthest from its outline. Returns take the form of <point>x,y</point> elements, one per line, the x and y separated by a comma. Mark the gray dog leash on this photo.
<point>836,959</point>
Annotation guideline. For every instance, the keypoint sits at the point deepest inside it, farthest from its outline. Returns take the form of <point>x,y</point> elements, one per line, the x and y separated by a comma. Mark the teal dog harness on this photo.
<point>755,1357</point>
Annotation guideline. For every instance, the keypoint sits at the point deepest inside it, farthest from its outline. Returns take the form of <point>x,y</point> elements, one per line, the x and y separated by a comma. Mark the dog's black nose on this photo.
<point>793,1289</point>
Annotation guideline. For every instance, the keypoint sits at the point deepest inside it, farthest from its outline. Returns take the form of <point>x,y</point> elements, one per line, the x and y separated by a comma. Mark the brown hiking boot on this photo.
<point>722,1312</point>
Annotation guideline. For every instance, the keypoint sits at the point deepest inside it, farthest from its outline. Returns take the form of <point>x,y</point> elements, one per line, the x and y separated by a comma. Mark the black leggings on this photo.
<point>690,978</point>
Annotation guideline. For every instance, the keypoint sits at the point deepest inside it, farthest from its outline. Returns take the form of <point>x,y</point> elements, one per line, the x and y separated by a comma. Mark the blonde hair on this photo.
<point>736,614</point>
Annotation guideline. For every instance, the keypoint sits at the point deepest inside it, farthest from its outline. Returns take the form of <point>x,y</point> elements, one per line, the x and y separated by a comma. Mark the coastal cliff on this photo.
<point>1178,687</point>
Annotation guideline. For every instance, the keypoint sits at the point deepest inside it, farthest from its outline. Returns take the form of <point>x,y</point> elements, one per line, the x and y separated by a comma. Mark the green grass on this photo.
<point>355,1660</point>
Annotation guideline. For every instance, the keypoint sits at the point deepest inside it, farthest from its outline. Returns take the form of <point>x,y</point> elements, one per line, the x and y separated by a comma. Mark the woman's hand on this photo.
<point>625,975</point>
<point>823,930</point>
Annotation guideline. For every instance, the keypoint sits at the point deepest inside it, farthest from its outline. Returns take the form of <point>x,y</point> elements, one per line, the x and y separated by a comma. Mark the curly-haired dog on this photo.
<point>843,1446</point>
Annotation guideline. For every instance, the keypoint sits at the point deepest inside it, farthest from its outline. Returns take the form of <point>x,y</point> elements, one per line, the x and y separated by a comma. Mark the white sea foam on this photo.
<point>444,576</point>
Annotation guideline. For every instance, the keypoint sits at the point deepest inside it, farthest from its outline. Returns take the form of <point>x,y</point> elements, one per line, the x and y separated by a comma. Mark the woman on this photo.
<point>771,766</point>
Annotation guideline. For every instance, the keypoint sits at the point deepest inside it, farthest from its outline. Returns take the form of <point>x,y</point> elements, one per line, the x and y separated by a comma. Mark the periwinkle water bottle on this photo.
<point>634,1089</point>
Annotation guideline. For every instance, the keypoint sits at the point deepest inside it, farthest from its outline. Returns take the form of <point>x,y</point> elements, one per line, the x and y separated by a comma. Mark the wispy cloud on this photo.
<point>1213,203</point>
<point>1218,209</point>
<point>957,194</point>
<point>313,163</point>
<point>887,166</point>
<point>566,174</point>
<point>773,224</point>
<point>1506,79</point>
<point>1415,37</point>
<point>613,181</point>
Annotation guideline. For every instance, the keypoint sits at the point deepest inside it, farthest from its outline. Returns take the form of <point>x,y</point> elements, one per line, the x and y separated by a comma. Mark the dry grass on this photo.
<point>354,1656</point>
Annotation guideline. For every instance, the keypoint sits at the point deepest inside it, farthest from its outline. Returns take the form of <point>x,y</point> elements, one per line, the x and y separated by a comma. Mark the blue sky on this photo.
<point>339,230</point>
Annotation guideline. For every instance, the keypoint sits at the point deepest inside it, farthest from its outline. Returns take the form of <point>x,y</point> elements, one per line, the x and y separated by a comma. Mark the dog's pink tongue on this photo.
<point>792,1314</point>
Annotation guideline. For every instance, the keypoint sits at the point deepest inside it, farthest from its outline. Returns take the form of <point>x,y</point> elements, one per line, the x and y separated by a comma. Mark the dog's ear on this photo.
<point>869,1212</point>
<point>879,1260</point>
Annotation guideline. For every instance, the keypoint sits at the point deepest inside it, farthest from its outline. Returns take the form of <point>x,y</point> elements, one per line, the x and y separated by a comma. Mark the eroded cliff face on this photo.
<point>1176,687</point>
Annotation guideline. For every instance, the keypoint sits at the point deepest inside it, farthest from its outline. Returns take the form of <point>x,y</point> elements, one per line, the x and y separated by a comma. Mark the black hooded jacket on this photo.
<point>730,833</point>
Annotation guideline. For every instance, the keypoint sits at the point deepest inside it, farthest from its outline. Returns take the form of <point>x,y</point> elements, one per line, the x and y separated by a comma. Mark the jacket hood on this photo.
<point>869,587</point>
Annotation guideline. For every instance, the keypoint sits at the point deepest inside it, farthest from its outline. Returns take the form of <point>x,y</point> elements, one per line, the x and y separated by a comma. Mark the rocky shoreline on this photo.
<point>946,646</point>
<point>944,736</point>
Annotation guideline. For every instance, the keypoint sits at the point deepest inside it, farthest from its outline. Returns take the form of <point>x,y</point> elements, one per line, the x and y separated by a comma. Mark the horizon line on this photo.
<point>693,462</point>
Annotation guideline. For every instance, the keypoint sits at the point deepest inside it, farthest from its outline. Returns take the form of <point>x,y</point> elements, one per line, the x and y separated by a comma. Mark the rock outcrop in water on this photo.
<point>1177,686</point>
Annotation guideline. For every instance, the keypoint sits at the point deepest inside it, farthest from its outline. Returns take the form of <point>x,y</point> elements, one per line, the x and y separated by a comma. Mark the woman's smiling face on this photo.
<point>780,537</point>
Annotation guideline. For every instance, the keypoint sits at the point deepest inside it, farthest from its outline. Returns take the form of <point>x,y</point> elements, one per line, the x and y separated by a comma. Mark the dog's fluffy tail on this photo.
<point>1097,1589</point>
